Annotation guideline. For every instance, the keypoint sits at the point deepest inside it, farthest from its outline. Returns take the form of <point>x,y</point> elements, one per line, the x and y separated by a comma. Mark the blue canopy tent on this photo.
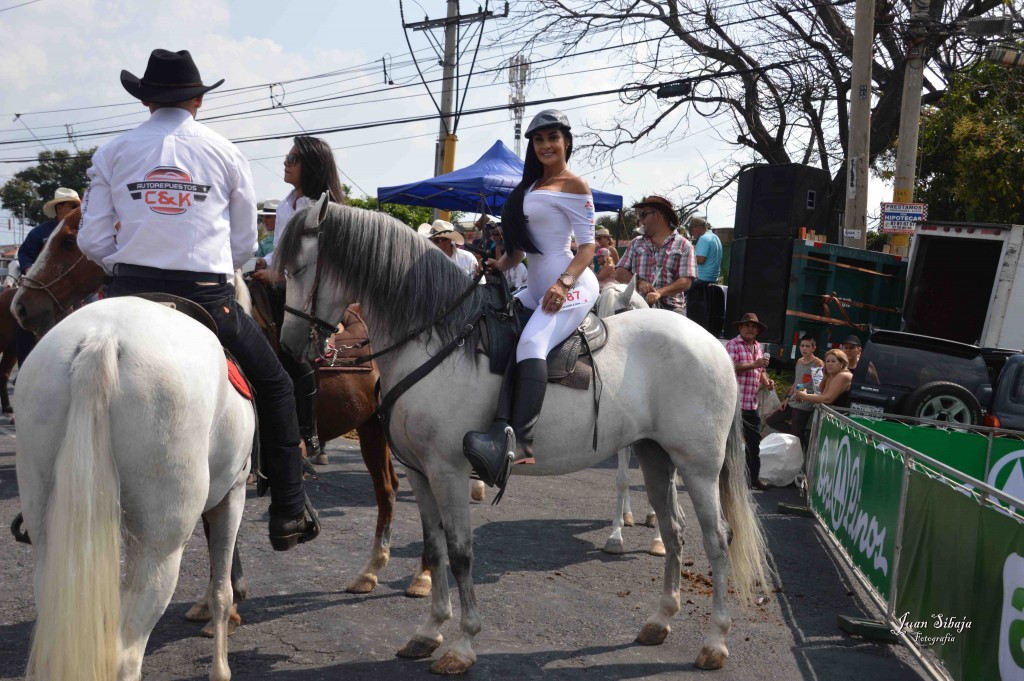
<point>478,188</point>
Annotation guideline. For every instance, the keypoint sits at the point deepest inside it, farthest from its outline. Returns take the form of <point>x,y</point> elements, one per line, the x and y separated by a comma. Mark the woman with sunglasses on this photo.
<point>542,213</point>
<point>310,169</point>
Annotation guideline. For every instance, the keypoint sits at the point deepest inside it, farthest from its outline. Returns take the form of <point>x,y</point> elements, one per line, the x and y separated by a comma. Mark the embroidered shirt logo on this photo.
<point>168,190</point>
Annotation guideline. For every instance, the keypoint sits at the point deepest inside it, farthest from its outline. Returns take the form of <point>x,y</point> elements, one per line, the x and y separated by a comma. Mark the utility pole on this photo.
<point>859,147</point>
<point>444,160</point>
<point>518,72</point>
<point>910,116</point>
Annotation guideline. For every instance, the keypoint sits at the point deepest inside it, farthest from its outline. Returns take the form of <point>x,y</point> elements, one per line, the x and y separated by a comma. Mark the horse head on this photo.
<point>60,278</point>
<point>305,327</point>
<point>616,298</point>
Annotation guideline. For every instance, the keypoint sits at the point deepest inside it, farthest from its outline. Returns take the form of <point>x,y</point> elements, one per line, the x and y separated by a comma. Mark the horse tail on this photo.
<point>77,634</point>
<point>242,296</point>
<point>747,549</point>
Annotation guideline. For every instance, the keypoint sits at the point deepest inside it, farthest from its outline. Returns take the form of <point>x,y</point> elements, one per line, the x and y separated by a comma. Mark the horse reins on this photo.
<point>36,285</point>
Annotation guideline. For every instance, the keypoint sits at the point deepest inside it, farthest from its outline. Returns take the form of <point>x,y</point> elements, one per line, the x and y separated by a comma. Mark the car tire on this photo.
<point>944,401</point>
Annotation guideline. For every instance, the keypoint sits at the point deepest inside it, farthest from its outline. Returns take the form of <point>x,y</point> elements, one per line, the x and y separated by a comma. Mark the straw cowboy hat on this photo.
<point>662,205</point>
<point>170,77</point>
<point>62,195</point>
<point>445,230</point>
<point>269,207</point>
<point>750,318</point>
<point>602,231</point>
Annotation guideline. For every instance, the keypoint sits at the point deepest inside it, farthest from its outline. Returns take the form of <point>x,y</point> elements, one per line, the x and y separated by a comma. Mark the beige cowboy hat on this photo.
<point>269,207</point>
<point>602,231</point>
<point>445,230</point>
<point>62,195</point>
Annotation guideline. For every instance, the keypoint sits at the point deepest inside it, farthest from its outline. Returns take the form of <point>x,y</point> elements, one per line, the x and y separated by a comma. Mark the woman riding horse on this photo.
<point>549,205</point>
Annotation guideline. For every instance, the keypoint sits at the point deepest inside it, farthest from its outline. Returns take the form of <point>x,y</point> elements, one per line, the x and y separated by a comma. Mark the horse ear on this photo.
<point>627,295</point>
<point>318,213</point>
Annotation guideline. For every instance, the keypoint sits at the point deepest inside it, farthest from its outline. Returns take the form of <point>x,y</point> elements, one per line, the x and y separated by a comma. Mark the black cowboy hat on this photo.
<point>750,318</point>
<point>170,77</point>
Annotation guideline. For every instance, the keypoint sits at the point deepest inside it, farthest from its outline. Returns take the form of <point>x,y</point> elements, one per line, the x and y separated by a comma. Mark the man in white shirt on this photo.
<point>444,235</point>
<point>183,196</point>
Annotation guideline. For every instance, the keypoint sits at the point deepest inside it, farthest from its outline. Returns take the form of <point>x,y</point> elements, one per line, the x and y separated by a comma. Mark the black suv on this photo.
<point>925,377</point>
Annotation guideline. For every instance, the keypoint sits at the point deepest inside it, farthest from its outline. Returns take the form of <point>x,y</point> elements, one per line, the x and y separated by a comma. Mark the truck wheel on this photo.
<point>944,401</point>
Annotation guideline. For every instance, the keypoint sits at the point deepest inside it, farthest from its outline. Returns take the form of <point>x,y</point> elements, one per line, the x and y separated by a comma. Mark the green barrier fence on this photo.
<point>943,549</point>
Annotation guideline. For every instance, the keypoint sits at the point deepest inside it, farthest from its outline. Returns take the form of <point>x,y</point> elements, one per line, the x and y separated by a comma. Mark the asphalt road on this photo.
<point>554,606</point>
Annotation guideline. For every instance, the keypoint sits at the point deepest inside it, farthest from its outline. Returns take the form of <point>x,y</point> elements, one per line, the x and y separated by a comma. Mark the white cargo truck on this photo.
<point>966,283</point>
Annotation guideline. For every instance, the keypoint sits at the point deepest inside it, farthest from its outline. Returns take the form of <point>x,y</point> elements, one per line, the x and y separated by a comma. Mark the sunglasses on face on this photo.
<point>438,239</point>
<point>644,213</point>
<point>292,159</point>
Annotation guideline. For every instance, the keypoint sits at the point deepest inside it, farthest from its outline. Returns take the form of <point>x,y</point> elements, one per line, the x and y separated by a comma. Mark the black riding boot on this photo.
<point>304,378</point>
<point>493,451</point>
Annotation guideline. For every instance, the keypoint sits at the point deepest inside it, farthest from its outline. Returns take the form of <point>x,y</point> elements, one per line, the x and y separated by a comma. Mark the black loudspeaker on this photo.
<point>778,200</point>
<point>759,282</point>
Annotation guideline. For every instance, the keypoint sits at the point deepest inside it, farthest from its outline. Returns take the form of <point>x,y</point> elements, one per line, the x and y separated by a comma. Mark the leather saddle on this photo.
<point>351,343</point>
<point>570,363</point>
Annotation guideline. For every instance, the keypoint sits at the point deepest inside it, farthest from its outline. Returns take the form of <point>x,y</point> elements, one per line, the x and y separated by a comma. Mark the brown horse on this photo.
<point>63,276</point>
<point>8,329</point>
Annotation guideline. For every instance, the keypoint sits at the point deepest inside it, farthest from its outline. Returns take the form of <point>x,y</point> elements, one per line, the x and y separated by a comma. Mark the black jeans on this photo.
<point>752,436</point>
<point>275,402</point>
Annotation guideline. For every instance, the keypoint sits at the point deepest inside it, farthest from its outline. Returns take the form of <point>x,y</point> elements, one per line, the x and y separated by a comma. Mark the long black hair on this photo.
<point>319,171</point>
<point>513,220</point>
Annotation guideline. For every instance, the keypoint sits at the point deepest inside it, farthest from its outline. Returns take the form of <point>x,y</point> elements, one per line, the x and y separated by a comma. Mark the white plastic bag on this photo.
<point>782,459</point>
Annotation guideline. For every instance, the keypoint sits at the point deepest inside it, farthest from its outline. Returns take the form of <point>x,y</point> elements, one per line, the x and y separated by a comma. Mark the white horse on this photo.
<point>656,366</point>
<point>128,431</point>
<point>614,299</point>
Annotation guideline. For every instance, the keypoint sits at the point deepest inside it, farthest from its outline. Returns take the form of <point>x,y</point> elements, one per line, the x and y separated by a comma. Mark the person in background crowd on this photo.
<point>268,214</point>
<point>63,202</point>
<point>835,384</point>
<point>606,268</point>
<point>751,364</point>
<point>851,348</point>
<point>661,258</point>
<point>193,253</point>
<point>444,235</point>
<point>707,250</point>
<point>798,414</point>
<point>604,240</point>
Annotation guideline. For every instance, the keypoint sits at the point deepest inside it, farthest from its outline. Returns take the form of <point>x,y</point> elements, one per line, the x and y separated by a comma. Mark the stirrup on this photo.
<point>491,454</point>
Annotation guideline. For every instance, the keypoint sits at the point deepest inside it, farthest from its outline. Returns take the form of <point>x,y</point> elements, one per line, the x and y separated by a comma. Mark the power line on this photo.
<point>30,2</point>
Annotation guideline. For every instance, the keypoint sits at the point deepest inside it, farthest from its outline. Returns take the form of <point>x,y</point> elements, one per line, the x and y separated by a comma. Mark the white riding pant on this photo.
<point>544,330</point>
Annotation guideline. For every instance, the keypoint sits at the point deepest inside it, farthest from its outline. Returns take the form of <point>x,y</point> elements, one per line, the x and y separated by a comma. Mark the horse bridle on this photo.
<point>36,285</point>
<point>316,324</point>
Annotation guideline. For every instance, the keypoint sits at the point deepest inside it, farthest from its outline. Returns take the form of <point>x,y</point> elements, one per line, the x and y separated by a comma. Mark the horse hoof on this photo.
<point>419,587</point>
<point>627,520</point>
<point>321,459</point>
<point>614,546</point>
<point>711,659</point>
<point>452,663</point>
<point>234,620</point>
<point>251,480</point>
<point>652,634</point>
<point>363,584</point>
<point>476,490</point>
<point>200,612</point>
<point>418,648</point>
<point>651,520</point>
<point>657,548</point>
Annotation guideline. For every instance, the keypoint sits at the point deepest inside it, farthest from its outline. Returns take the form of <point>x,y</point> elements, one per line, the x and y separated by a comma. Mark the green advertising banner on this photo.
<point>856,493</point>
<point>966,452</point>
<point>961,581</point>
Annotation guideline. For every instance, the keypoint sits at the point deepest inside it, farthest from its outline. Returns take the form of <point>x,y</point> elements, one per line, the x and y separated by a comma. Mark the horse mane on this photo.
<point>375,257</point>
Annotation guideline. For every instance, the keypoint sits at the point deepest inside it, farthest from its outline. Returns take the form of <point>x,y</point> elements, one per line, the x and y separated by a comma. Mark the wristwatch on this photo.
<point>566,280</point>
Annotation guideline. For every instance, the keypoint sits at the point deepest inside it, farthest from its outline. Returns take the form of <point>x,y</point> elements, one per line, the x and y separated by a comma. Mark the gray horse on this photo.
<point>669,391</point>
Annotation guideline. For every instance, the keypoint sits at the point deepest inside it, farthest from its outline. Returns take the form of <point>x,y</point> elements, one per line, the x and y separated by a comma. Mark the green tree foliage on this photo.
<point>35,186</point>
<point>971,148</point>
<point>413,216</point>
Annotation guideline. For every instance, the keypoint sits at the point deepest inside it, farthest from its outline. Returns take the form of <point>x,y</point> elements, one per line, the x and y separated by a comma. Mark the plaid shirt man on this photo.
<point>662,265</point>
<point>749,381</point>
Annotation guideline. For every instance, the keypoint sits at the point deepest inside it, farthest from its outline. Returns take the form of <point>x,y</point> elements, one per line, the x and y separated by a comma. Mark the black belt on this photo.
<point>125,270</point>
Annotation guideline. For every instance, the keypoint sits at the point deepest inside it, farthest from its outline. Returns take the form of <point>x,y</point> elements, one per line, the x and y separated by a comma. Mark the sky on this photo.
<point>62,62</point>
